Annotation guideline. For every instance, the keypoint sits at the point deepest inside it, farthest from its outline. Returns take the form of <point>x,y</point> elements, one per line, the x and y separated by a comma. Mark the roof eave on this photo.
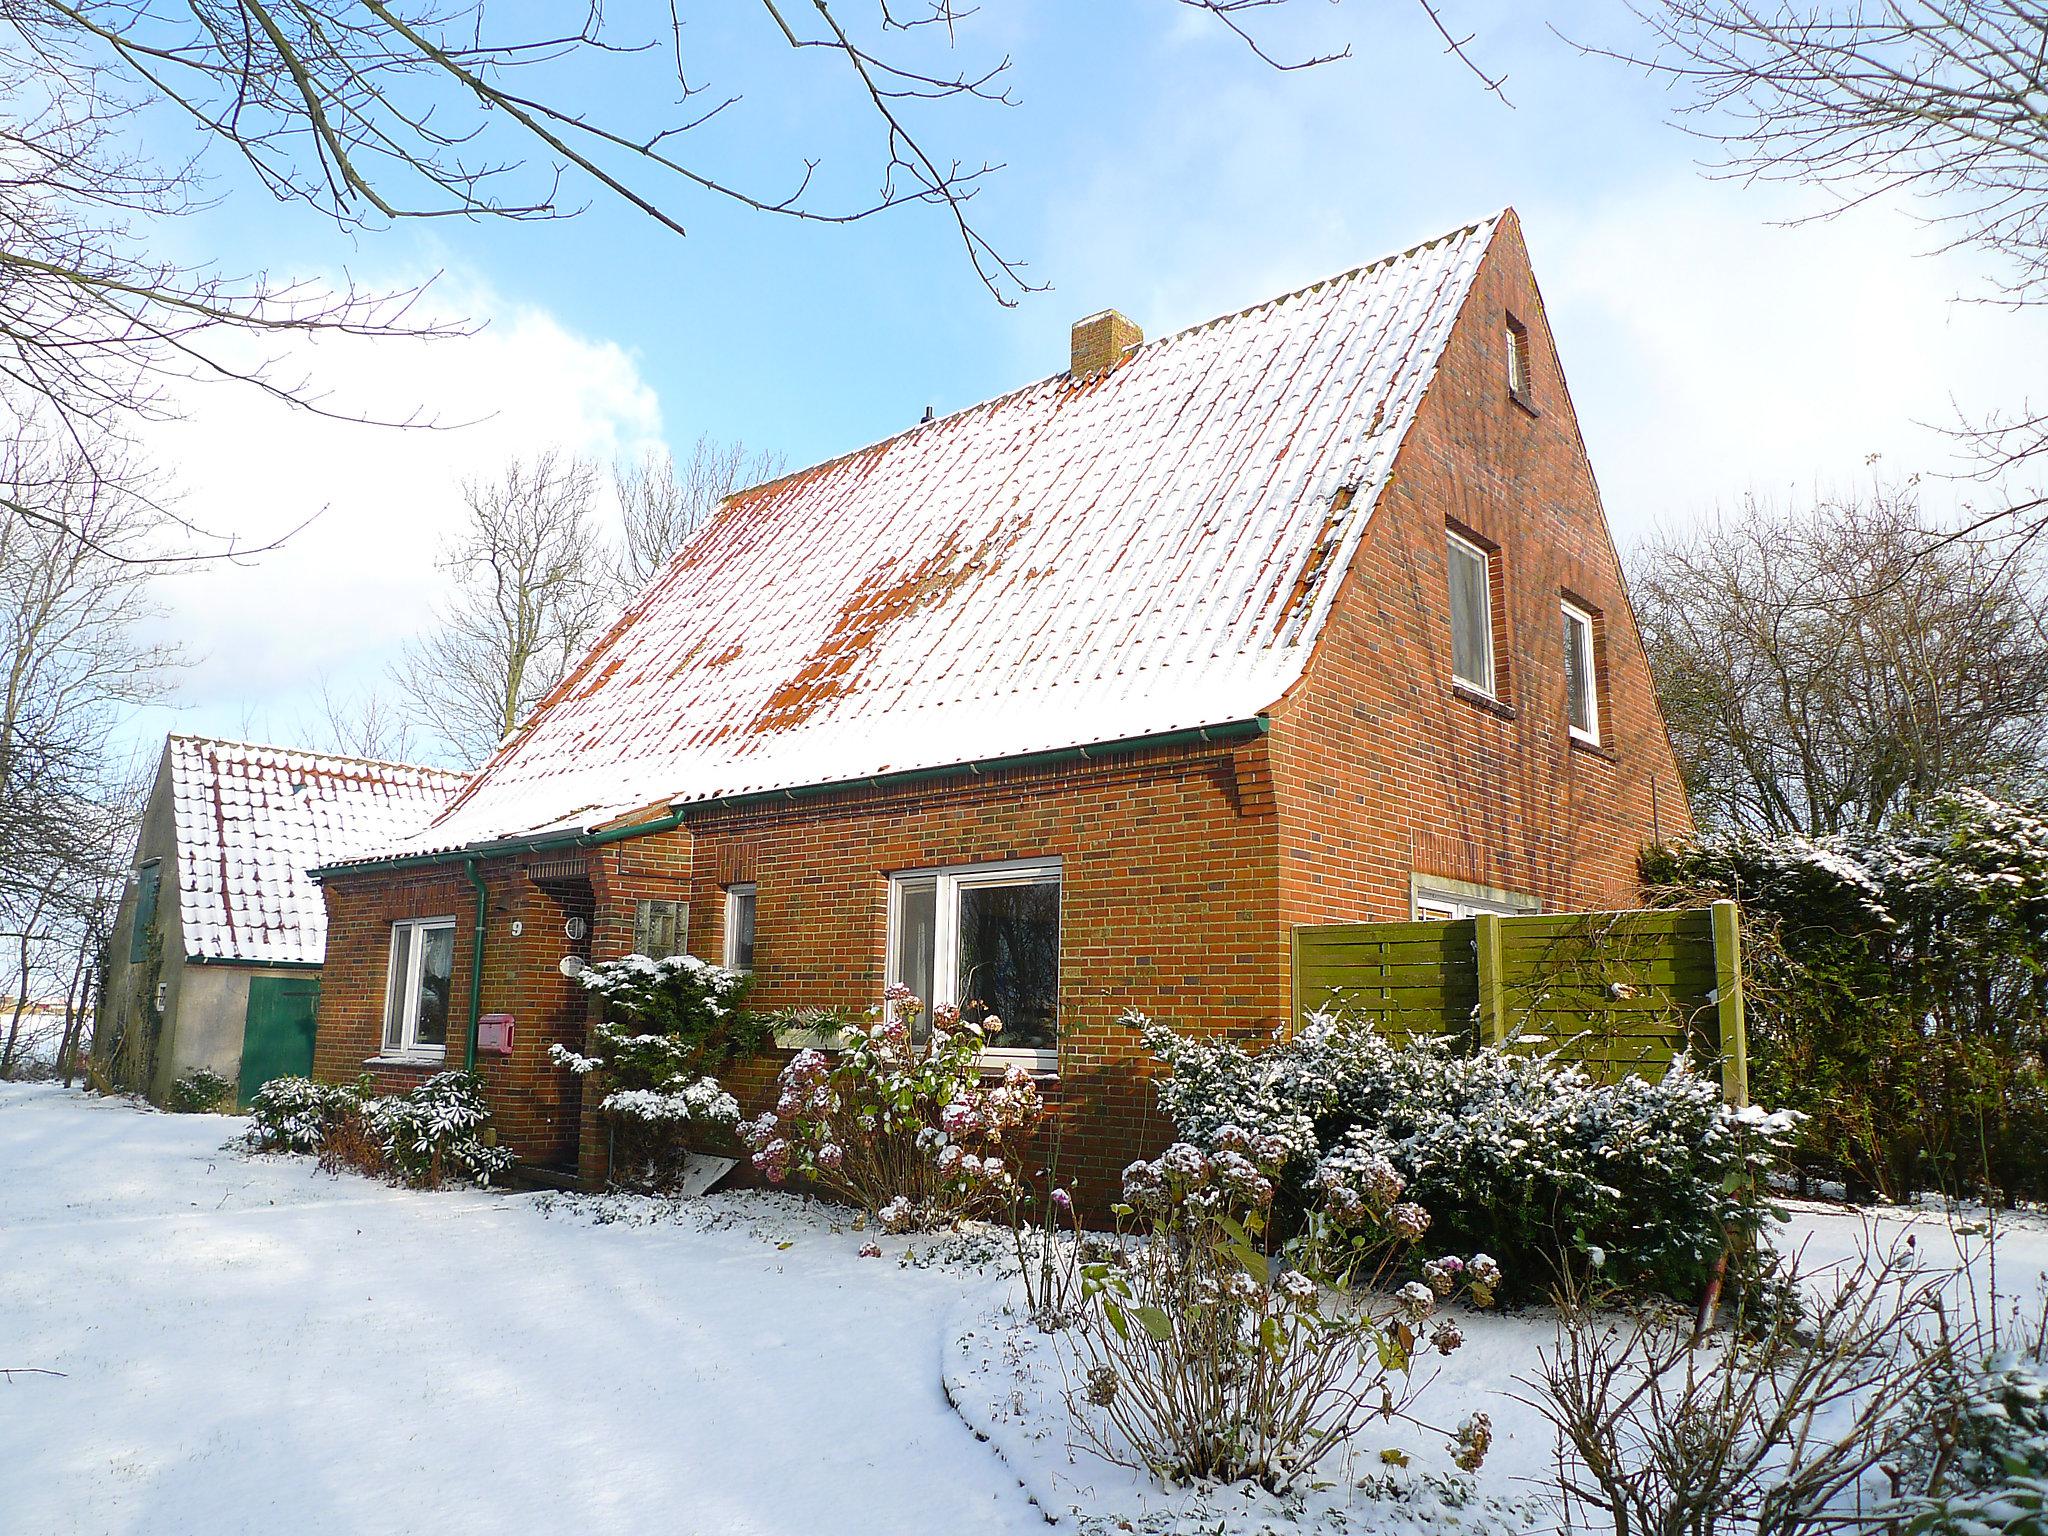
<point>1190,736</point>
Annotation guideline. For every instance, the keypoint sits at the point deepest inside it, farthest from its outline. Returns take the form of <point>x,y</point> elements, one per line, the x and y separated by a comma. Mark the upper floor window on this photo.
<point>984,938</point>
<point>1471,581</point>
<point>148,884</point>
<point>416,995</point>
<point>1581,674</point>
<point>739,927</point>
<point>1518,361</point>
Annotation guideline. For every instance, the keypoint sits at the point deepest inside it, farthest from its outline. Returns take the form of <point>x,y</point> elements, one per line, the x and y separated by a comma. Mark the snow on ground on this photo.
<point>248,1344</point>
<point>251,1345</point>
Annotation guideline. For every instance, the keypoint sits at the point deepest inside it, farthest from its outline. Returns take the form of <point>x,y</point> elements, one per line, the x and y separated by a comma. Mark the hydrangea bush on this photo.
<point>1646,1183</point>
<point>1210,1350</point>
<point>669,1027</point>
<point>901,1124</point>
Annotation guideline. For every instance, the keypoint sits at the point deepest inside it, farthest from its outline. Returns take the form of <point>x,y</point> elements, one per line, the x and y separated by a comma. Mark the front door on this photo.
<point>277,1040</point>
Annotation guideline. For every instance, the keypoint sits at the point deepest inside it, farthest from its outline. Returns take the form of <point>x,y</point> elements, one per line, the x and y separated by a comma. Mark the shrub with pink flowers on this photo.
<point>1210,1350</point>
<point>902,1122</point>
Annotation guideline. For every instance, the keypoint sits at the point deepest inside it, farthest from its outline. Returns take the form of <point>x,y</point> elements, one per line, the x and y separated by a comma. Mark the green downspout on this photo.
<point>476,958</point>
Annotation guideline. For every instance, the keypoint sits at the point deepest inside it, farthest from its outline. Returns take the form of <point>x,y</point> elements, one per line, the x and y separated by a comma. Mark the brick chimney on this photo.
<point>1100,342</point>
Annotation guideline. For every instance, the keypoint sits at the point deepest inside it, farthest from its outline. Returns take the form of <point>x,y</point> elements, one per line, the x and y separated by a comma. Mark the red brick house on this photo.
<point>1071,702</point>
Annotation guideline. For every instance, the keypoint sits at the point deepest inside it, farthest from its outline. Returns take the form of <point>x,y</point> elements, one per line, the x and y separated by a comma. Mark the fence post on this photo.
<point>1493,1008</point>
<point>1728,1003</point>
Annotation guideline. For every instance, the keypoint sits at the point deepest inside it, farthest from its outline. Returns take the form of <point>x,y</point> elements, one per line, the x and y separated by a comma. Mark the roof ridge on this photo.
<point>993,401</point>
<point>338,757</point>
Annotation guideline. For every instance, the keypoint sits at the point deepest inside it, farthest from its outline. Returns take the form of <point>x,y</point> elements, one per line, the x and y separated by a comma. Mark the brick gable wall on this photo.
<point>1382,768</point>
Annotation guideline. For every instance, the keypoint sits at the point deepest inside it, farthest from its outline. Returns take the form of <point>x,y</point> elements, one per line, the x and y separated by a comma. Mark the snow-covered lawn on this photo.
<point>248,1344</point>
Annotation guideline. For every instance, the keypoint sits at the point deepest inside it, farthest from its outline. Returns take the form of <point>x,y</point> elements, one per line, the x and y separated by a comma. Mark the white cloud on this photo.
<point>344,593</point>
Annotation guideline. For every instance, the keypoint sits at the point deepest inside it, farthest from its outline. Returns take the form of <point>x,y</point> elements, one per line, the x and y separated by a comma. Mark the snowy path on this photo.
<point>251,1345</point>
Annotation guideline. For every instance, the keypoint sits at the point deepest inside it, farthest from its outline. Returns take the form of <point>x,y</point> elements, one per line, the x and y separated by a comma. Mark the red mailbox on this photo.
<point>494,1034</point>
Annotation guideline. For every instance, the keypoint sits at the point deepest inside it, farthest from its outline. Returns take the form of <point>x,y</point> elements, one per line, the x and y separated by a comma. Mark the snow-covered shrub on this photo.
<point>437,1129</point>
<point>669,1027</point>
<point>296,1114</point>
<point>1209,1350</point>
<point>906,1128</point>
<point>1514,1153</point>
<point>199,1092</point>
<point>1894,991</point>
<point>1980,1463</point>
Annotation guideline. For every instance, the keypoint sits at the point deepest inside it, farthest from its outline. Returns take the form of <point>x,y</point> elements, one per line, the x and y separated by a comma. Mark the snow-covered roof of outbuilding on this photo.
<point>251,821</point>
<point>1146,549</point>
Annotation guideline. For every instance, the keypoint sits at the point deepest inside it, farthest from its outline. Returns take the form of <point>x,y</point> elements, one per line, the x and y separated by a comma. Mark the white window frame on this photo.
<point>1450,596</point>
<point>733,894</point>
<point>1574,614</point>
<point>1518,359</point>
<point>1448,901</point>
<point>411,933</point>
<point>950,880</point>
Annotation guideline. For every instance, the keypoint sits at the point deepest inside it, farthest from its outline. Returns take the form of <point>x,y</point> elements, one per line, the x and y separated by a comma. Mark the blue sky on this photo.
<point>1151,164</point>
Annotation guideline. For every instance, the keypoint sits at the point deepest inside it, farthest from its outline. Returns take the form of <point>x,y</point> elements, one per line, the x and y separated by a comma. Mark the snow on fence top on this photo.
<point>251,821</point>
<point>1148,548</point>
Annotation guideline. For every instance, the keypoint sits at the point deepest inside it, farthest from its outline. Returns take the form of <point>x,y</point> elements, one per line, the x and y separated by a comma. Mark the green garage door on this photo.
<point>277,1040</point>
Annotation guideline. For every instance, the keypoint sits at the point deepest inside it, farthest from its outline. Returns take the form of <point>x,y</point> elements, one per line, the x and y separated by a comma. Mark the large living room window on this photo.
<point>416,995</point>
<point>984,938</point>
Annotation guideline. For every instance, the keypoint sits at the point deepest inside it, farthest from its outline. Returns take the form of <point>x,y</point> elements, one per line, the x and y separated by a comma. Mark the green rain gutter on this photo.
<point>1232,730</point>
<point>476,958</point>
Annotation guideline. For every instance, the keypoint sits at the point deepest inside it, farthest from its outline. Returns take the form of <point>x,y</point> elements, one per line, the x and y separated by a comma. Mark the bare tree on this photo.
<point>1820,669</point>
<point>359,722</point>
<point>73,594</point>
<point>529,596</point>
<point>662,502</point>
<point>1944,102</point>
<point>371,112</point>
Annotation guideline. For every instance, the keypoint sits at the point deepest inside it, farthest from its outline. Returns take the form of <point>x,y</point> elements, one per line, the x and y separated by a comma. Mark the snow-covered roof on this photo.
<point>251,821</point>
<point>1146,549</point>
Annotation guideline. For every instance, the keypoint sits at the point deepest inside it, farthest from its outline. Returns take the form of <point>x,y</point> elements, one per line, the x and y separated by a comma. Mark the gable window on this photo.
<point>739,927</point>
<point>1581,675</point>
<point>148,884</point>
<point>417,993</point>
<point>984,938</point>
<point>1471,579</point>
<point>1518,362</point>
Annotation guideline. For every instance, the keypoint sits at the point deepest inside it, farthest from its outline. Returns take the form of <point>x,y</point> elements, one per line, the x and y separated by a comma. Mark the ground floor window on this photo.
<point>984,938</point>
<point>416,996</point>
<point>1454,899</point>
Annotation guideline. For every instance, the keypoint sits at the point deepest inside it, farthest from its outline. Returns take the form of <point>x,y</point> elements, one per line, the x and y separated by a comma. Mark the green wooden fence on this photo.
<point>1616,992</point>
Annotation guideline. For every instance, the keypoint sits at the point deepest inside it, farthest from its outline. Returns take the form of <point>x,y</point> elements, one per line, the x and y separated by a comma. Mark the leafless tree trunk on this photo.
<point>529,595</point>
<point>662,502</point>
<point>1821,669</point>
<point>73,590</point>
